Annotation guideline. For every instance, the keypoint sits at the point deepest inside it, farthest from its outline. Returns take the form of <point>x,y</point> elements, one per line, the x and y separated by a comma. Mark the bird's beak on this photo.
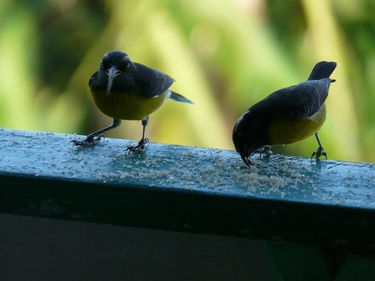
<point>112,73</point>
<point>242,148</point>
<point>245,154</point>
<point>247,160</point>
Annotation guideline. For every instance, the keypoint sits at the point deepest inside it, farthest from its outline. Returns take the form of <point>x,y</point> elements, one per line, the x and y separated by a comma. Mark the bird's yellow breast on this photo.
<point>127,106</point>
<point>289,130</point>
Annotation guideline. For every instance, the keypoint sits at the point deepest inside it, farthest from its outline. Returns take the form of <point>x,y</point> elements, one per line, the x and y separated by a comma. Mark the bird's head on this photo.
<point>114,64</point>
<point>246,136</point>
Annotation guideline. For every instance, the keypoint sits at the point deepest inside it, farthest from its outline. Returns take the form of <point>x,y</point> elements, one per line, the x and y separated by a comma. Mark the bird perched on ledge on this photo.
<point>286,116</point>
<point>126,90</point>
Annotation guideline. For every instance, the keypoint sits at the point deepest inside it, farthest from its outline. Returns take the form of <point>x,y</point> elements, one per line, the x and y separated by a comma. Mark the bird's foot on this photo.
<point>318,153</point>
<point>89,141</point>
<point>264,150</point>
<point>140,147</point>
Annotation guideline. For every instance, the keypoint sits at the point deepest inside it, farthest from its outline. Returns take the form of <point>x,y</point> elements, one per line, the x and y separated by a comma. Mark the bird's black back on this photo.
<point>298,101</point>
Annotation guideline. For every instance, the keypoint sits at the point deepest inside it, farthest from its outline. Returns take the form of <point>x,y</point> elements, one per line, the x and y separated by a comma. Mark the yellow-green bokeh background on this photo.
<point>225,55</point>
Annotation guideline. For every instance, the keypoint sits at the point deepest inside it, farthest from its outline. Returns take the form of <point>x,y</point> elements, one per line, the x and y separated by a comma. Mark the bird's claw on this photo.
<point>318,153</point>
<point>89,141</point>
<point>264,150</point>
<point>140,147</point>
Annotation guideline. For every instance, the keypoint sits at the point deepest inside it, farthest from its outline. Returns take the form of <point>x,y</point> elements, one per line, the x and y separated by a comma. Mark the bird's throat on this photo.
<point>109,85</point>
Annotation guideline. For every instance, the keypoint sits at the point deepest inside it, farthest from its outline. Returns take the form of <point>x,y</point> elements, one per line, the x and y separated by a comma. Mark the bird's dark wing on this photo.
<point>151,82</point>
<point>299,101</point>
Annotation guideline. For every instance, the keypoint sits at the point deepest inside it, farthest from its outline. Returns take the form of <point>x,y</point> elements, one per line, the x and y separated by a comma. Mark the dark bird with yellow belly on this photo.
<point>126,90</point>
<point>286,116</point>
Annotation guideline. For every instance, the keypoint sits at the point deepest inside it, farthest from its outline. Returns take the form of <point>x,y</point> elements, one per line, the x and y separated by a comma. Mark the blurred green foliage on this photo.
<point>225,55</point>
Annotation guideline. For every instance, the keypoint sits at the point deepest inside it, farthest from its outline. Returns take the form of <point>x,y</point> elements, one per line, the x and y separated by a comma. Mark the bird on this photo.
<point>286,116</point>
<point>127,90</point>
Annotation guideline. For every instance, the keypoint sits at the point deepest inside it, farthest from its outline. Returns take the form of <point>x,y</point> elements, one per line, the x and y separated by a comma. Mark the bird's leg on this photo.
<point>97,135</point>
<point>320,151</point>
<point>141,144</point>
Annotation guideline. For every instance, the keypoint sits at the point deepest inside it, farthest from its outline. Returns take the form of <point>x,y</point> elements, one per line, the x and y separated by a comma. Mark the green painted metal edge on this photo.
<point>188,189</point>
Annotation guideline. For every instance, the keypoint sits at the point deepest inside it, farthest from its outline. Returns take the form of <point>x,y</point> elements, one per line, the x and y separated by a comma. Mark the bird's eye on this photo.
<point>124,65</point>
<point>128,65</point>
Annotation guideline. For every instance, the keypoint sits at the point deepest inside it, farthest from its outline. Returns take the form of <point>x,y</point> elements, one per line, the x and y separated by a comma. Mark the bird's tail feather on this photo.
<point>180,98</point>
<point>322,70</point>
